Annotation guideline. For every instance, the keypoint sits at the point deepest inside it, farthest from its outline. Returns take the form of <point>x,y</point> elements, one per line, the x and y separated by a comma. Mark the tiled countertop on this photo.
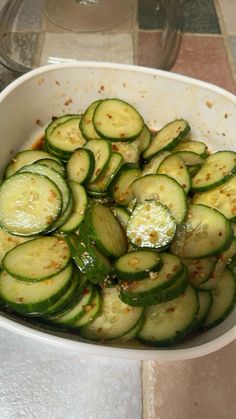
<point>42,382</point>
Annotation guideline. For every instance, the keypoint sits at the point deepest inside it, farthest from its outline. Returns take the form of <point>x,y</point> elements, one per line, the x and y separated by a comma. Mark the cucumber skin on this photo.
<point>179,337</point>
<point>158,296</point>
<point>38,308</point>
<point>111,186</point>
<point>137,275</point>
<point>87,264</point>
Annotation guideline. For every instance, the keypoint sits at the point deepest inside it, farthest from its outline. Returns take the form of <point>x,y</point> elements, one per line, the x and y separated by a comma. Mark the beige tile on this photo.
<point>228,9</point>
<point>98,47</point>
<point>202,388</point>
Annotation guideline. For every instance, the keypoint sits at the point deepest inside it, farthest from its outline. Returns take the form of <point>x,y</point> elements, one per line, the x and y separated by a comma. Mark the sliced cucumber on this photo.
<point>129,151</point>
<point>80,166</point>
<point>9,241</point>
<point>222,198</point>
<point>197,147</point>
<point>101,150</point>
<point>199,270</point>
<point>154,282</point>
<point>91,310</point>
<point>77,310</point>
<point>223,300</point>
<point>65,137</point>
<point>25,158</point>
<point>137,264</point>
<point>218,168</point>
<point>115,320</point>
<point>54,164</point>
<point>61,183</point>
<point>105,230</point>
<point>167,138</point>
<point>101,184</point>
<point>119,189</point>
<point>80,202</point>
<point>206,232</point>
<point>86,123</point>
<point>122,215</point>
<point>89,259</point>
<point>29,204</point>
<point>28,297</point>
<point>152,166</point>
<point>205,302</point>
<point>175,168</point>
<point>190,158</point>
<point>169,322</point>
<point>144,139</point>
<point>164,189</point>
<point>151,225</point>
<point>177,287</point>
<point>65,300</point>
<point>117,120</point>
<point>37,259</point>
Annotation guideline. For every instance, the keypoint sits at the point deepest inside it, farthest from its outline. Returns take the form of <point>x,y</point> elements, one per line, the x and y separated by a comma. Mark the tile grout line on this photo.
<point>225,37</point>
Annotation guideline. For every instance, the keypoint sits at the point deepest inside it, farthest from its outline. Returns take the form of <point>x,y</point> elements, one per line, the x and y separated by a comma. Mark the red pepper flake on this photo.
<point>220,233</point>
<point>68,102</point>
<point>57,83</point>
<point>102,88</point>
<point>109,116</point>
<point>85,291</point>
<point>226,115</point>
<point>170,309</point>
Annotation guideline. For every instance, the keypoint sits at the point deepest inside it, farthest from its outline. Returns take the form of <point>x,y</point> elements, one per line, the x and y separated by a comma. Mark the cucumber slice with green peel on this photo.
<point>154,282</point>
<point>167,138</point>
<point>119,189</point>
<point>92,310</point>
<point>27,297</point>
<point>101,150</point>
<point>189,158</point>
<point>77,310</point>
<point>174,167</point>
<point>205,302</point>
<point>115,320</point>
<point>55,177</point>
<point>151,225</point>
<point>152,166</point>
<point>199,270</point>
<point>194,169</point>
<point>105,231</point>
<point>29,204</point>
<point>90,261</point>
<point>122,215</point>
<point>169,322</point>
<point>129,151</point>
<point>218,168</point>
<point>137,264</point>
<point>9,241</point>
<point>65,300</point>
<point>53,164</point>
<point>133,332</point>
<point>223,300</point>
<point>197,147</point>
<point>222,198</point>
<point>101,184</point>
<point>144,139</point>
<point>164,189</point>
<point>80,166</point>
<point>117,120</point>
<point>86,123</point>
<point>66,136</point>
<point>160,296</point>
<point>37,259</point>
<point>80,202</point>
<point>25,158</point>
<point>206,232</point>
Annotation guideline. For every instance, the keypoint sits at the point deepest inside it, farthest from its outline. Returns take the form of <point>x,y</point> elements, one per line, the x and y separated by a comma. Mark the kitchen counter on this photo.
<point>38,381</point>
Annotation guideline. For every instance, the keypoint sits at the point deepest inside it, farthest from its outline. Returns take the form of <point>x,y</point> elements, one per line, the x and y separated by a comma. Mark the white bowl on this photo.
<point>29,103</point>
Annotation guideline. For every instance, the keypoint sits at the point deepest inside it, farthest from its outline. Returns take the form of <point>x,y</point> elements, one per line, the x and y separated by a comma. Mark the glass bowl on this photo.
<point>38,32</point>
